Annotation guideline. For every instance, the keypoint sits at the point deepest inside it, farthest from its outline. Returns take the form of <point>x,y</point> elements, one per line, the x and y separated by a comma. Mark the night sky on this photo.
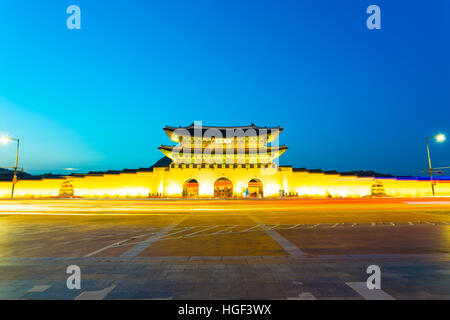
<point>348,98</point>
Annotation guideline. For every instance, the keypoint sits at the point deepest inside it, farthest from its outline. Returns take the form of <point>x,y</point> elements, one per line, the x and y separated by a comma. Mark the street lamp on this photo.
<point>5,140</point>
<point>439,138</point>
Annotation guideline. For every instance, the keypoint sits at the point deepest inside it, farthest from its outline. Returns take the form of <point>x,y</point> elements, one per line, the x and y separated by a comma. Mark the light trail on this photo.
<point>167,207</point>
<point>427,202</point>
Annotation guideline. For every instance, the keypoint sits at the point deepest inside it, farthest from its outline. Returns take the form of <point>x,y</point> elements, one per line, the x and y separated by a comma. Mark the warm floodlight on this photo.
<point>440,137</point>
<point>4,139</point>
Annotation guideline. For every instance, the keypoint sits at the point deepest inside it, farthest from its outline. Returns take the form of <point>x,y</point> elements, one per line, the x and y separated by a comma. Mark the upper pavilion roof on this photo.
<point>252,130</point>
<point>223,130</point>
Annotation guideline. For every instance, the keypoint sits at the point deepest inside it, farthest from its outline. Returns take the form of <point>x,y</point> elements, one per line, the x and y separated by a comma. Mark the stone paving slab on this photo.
<point>403,280</point>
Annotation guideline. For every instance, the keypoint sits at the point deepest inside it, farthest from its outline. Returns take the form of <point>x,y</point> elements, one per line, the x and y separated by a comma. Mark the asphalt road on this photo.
<point>221,249</point>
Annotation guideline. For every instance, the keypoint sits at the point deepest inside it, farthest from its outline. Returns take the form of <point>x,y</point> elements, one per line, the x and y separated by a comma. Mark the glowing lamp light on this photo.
<point>4,139</point>
<point>440,138</point>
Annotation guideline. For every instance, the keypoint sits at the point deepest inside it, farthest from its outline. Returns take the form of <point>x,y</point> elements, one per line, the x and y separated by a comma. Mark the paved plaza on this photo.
<point>225,249</point>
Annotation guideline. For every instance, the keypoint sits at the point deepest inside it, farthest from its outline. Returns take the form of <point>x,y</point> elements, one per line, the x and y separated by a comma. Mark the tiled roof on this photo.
<point>223,130</point>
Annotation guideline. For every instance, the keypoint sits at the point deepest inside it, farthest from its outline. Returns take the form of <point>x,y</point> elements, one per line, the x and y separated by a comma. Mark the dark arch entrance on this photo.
<point>190,189</point>
<point>255,188</point>
<point>223,188</point>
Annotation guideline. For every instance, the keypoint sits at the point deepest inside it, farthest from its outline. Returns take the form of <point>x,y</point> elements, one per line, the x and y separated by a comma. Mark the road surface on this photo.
<point>225,249</point>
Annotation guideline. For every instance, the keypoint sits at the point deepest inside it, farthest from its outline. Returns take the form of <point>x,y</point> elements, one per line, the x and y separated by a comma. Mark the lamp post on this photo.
<point>5,140</point>
<point>439,138</point>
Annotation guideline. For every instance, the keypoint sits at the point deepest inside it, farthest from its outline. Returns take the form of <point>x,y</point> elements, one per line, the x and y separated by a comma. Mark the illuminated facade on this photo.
<point>223,162</point>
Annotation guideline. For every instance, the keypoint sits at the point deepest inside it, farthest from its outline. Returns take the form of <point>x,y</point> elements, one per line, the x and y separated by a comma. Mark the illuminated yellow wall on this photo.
<point>323,185</point>
<point>168,182</point>
<point>31,188</point>
<point>414,188</point>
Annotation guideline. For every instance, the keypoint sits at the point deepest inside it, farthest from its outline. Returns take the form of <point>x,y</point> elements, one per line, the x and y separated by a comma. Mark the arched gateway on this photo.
<point>255,188</point>
<point>223,188</point>
<point>190,189</point>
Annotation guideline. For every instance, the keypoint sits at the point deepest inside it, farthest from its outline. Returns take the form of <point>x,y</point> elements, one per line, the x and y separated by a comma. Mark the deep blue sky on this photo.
<point>348,98</point>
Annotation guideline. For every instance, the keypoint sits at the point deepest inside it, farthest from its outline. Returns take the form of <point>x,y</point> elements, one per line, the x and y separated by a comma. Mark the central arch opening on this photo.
<point>223,188</point>
<point>255,188</point>
<point>190,189</point>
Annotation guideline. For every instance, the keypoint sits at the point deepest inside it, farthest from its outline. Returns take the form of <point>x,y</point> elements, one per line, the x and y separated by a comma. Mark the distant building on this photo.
<point>223,162</point>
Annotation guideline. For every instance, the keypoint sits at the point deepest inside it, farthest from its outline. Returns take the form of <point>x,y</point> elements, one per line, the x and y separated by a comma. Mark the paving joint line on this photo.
<point>288,246</point>
<point>140,247</point>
